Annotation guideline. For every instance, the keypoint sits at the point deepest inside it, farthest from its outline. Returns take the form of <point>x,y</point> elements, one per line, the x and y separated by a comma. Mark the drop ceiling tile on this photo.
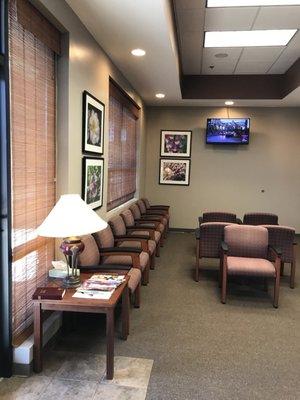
<point>222,66</point>
<point>229,19</point>
<point>280,17</point>
<point>261,54</point>
<point>252,67</point>
<point>285,61</point>
<point>190,20</point>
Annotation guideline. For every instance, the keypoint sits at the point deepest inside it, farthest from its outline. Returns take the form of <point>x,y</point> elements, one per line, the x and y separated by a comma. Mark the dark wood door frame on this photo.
<point>5,227</point>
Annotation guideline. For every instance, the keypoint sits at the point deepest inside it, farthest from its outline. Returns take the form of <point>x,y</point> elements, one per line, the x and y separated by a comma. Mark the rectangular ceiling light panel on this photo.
<point>249,3</point>
<point>279,37</point>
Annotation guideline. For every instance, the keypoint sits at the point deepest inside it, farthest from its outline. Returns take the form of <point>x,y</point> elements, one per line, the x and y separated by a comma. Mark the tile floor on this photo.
<point>72,376</point>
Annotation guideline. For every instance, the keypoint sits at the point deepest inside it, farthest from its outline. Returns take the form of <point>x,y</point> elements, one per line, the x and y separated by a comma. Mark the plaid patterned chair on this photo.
<point>111,252</point>
<point>283,237</point>
<point>245,251</point>
<point>260,219</point>
<point>141,228</point>
<point>89,261</point>
<point>157,215</point>
<point>208,242</point>
<point>218,216</point>
<point>148,221</point>
<point>120,231</point>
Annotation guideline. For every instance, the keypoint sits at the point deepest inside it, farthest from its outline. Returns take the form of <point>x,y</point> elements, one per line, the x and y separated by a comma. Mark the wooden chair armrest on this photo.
<point>143,242</point>
<point>146,229</point>
<point>224,247</point>
<point>197,233</point>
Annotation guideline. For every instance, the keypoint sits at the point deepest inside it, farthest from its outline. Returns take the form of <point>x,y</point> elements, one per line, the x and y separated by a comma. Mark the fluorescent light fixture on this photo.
<point>278,37</point>
<point>229,103</point>
<point>160,95</point>
<point>138,52</point>
<point>249,3</point>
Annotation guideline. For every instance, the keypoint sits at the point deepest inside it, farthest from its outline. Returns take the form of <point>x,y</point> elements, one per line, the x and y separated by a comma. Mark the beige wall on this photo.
<point>230,178</point>
<point>83,66</point>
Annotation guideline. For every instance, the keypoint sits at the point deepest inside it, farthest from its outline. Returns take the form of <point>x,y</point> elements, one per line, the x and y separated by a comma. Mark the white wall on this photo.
<point>230,178</point>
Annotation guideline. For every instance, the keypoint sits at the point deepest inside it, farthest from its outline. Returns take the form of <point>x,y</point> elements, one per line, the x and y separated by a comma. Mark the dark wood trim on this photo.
<point>116,91</point>
<point>5,215</point>
<point>183,230</point>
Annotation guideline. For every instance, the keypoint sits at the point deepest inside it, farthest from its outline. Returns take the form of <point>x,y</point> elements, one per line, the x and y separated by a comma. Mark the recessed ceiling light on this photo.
<point>229,103</point>
<point>221,55</point>
<point>138,52</point>
<point>278,37</point>
<point>249,3</point>
<point>160,95</point>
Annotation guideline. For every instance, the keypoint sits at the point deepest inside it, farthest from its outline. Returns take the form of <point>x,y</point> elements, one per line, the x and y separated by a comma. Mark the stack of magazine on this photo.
<point>99,286</point>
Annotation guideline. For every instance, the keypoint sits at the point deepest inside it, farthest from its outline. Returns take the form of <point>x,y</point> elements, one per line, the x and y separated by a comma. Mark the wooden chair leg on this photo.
<point>152,266</point>
<point>281,268</point>
<point>197,262</point>
<point>157,252</point>
<point>293,273</point>
<point>137,296</point>
<point>276,290</point>
<point>220,272</point>
<point>224,285</point>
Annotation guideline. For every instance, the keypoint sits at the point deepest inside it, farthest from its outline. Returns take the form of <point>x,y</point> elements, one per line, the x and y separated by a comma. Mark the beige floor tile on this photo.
<point>114,392</point>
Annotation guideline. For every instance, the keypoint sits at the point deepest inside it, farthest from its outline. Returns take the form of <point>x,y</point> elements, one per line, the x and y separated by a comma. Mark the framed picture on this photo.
<point>93,124</point>
<point>174,172</point>
<point>92,181</point>
<point>175,143</point>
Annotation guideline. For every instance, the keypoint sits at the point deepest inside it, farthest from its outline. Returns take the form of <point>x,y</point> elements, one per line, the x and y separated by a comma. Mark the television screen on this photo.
<point>227,130</point>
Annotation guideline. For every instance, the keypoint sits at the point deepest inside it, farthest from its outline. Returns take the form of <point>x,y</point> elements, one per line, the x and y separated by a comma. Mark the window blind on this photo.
<point>122,148</point>
<point>32,119</point>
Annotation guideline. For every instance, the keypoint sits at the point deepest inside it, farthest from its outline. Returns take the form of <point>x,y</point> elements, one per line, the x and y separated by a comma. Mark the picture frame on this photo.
<point>174,171</point>
<point>92,124</point>
<point>175,143</point>
<point>92,181</point>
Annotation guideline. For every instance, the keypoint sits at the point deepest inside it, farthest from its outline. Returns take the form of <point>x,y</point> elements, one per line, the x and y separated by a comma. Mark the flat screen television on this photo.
<point>227,130</point>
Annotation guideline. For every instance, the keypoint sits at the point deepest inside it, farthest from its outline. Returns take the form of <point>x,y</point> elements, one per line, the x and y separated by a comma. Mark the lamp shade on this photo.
<point>71,216</point>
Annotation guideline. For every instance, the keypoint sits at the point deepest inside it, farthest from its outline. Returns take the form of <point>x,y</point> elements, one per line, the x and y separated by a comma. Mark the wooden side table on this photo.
<point>69,303</point>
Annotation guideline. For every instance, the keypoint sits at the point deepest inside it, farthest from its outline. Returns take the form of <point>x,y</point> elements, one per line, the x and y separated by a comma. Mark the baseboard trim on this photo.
<point>185,230</point>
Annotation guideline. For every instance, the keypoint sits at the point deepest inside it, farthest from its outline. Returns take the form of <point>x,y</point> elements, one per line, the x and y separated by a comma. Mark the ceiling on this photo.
<point>193,19</point>
<point>121,25</point>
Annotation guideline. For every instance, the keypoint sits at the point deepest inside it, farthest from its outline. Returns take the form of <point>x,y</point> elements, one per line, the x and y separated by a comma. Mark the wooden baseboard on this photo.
<point>185,230</point>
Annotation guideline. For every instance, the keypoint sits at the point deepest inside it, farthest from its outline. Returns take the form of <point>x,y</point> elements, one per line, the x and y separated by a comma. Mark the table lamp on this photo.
<point>71,218</point>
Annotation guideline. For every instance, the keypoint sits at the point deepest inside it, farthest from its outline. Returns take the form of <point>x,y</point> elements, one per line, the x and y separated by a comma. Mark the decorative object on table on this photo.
<point>49,293</point>
<point>60,270</point>
<point>93,124</point>
<point>71,218</point>
<point>175,143</point>
<point>92,181</point>
<point>174,172</point>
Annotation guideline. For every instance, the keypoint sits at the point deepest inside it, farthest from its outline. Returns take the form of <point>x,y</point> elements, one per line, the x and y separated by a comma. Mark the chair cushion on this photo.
<point>259,218</point>
<point>211,236</point>
<point>146,202</point>
<point>134,278</point>
<point>90,255</point>
<point>282,237</point>
<point>118,226</point>
<point>135,211</point>
<point>250,266</point>
<point>151,245</point>
<point>141,206</point>
<point>246,240</point>
<point>127,260</point>
<point>157,236</point>
<point>219,216</point>
<point>104,238</point>
<point>128,218</point>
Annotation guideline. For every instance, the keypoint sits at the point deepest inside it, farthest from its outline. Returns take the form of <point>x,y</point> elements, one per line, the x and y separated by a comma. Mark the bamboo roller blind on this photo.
<point>33,91</point>
<point>121,151</point>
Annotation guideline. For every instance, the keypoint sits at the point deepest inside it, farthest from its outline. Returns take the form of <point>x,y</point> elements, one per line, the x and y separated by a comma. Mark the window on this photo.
<point>123,115</point>
<point>33,42</point>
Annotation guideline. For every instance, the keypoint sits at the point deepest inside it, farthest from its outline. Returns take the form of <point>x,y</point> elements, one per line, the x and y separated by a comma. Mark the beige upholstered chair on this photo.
<point>218,216</point>
<point>112,252</point>
<point>259,218</point>
<point>89,261</point>
<point>120,232</point>
<point>283,238</point>
<point>245,252</point>
<point>158,215</point>
<point>209,237</point>
<point>155,207</point>
<point>141,228</point>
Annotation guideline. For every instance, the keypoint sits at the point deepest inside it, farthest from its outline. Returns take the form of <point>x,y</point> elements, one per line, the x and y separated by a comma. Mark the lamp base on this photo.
<point>71,281</point>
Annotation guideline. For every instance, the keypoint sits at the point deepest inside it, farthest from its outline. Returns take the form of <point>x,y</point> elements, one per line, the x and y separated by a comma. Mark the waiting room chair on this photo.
<point>218,216</point>
<point>209,237</point>
<point>89,261</point>
<point>159,215</point>
<point>259,218</point>
<point>142,228</point>
<point>155,207</point>
<point>283,238</point>
<point>120,231</point>
<point>245,251</point>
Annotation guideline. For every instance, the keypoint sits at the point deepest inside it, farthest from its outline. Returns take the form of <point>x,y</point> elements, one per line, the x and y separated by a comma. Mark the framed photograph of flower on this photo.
<point>174,172</point>
<point>175,143</point>
<point>92,181</point>
<point>93,124</point>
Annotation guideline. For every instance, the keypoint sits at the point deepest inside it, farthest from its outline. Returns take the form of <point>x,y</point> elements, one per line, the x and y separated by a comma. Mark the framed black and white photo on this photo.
<point>93,124</point>
<point>174,172</point>
<point>92,181</point>
<point>175,143</point>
